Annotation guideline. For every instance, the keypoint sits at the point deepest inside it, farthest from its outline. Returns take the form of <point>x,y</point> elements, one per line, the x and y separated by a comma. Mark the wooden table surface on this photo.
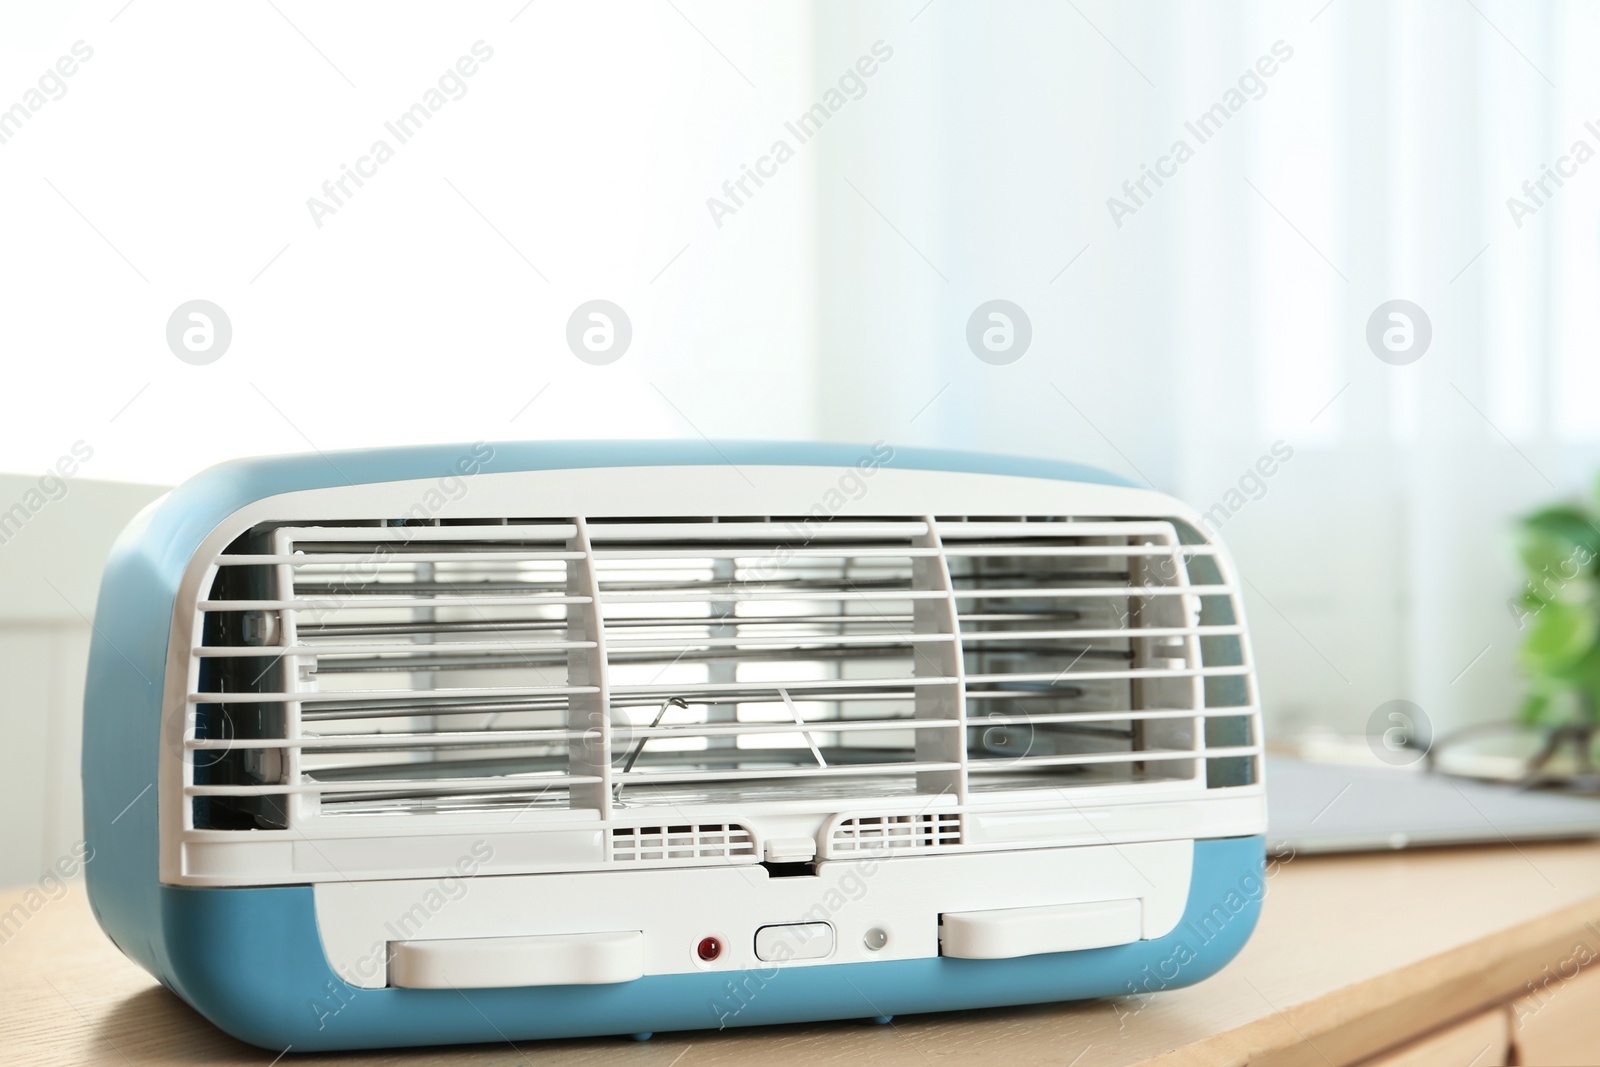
<point>1350,951</point>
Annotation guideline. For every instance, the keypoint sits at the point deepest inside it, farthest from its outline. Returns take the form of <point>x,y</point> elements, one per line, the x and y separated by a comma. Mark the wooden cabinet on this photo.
<point>1559,1022</point>
<point>1482,1041</point>
<point>1555,1024</point>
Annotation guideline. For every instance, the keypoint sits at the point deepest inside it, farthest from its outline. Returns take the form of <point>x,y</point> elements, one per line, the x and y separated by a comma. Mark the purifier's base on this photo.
<point>251,961</point>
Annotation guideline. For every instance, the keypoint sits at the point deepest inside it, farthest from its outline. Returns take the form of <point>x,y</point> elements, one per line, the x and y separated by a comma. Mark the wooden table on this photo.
<point>1355,957</point>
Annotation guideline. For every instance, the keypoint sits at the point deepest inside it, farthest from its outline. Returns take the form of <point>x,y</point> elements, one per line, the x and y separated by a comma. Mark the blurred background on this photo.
<point>1336,156</point>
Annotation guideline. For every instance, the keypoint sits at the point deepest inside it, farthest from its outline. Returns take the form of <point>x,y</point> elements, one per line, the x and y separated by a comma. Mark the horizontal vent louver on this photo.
<point>517,667</point>
<point>879,833</point>
<point>683,841</point>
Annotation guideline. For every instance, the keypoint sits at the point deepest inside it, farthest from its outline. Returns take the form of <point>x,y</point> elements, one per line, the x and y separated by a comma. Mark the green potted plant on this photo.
<point>1558,615</point>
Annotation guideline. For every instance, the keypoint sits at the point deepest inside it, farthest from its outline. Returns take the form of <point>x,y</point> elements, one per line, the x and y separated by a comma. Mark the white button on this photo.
<point>1011,932</point>
<point>491,962</point>
<point>794,941</point>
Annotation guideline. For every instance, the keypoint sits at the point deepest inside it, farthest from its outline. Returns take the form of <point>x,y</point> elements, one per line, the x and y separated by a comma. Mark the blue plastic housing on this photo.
<point>251,960</point>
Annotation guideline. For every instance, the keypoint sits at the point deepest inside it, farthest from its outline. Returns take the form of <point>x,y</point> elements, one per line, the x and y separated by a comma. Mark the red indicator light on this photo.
<point>708,949</point>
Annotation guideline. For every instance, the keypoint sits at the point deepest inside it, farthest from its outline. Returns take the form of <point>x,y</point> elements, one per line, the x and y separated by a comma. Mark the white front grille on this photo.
<point>537,670</point>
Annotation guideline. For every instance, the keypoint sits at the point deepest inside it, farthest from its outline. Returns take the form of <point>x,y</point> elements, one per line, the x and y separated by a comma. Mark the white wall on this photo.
<point>432,305</point>
<point>49,575</point>
<point>41,716</point>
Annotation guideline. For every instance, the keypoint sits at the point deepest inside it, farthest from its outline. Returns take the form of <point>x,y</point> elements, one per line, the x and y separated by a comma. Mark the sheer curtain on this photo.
<point>1228,313</point>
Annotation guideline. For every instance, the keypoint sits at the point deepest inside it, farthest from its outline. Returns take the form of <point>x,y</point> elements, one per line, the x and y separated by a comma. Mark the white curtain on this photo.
<point>1228,312</point>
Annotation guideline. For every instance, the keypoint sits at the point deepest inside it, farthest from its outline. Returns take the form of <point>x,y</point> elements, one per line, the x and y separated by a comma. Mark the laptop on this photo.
<point>1333,807</point>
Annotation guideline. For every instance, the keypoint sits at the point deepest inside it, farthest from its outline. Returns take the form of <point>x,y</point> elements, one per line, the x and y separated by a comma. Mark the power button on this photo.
<point>794,941</point>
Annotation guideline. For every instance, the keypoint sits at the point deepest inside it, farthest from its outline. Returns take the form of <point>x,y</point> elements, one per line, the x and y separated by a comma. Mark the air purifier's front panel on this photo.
<point>869,909</point>
<point>618,738</point>
<point>817,663</point>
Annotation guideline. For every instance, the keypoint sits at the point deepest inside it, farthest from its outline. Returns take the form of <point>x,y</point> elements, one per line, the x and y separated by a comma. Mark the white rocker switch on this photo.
<point>794,941</point>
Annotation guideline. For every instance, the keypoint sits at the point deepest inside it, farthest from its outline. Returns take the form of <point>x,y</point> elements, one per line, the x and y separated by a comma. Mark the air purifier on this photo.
<point>535,740</point>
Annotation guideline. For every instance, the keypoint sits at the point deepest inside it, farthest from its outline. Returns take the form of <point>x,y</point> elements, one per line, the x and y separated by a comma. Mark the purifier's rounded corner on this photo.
<point>1211,959</point>
<point>1225,896</point>
<point>239,957</point>
<point>100,891</point>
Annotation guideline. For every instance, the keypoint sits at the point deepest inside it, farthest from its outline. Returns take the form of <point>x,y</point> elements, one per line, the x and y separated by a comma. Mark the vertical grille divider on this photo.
<point>1138,574</point>
<point>1145,570</point>
<point>942,659</point>
<point>1252,695</point>
<point>1192,655</point>
<point>723,570</point>
<point>589,753</point>
<point>302,806</point>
